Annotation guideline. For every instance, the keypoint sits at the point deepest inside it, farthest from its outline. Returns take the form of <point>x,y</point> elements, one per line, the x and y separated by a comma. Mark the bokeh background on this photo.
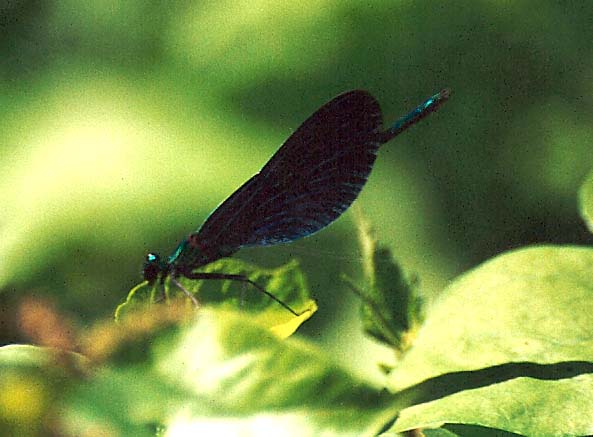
<point>124,123</point>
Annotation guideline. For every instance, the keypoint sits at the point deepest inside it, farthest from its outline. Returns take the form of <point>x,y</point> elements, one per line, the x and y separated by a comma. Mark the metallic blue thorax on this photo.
<point>188,256</point>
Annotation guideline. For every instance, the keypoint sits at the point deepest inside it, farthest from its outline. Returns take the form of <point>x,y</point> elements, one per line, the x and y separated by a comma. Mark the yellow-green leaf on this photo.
<point>586,201</point>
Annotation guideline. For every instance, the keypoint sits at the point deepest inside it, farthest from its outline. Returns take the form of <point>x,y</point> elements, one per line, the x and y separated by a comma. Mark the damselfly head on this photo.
<point>152,267</point>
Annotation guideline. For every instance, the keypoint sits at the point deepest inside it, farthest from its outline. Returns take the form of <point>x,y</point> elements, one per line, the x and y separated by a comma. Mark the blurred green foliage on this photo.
<point>506,348</point>
<point>124,123</point>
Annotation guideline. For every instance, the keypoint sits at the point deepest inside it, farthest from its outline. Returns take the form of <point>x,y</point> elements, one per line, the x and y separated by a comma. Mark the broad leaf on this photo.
<point>518,331</point>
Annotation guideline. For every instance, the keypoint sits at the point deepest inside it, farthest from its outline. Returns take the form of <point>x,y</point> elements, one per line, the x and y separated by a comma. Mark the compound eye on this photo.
<point>152,258</point>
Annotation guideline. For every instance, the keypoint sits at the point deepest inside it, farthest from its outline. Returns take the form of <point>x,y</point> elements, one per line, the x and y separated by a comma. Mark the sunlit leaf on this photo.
<point>439,432</point>
<point>524,406</point>
<point>586,201</point>
<point>527,312</point>
<point>223,372</point>
<point>282,323</point>
<point>140,297</point>
<point>286,282</point>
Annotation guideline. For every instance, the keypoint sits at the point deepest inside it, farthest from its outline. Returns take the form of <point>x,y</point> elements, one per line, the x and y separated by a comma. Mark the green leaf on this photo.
<point>524,406</point>
<point>473,431</point>
<point>452,431</point>
<point>286,282</point>
<point>586,201</point>
<point>392,308</point>
<point>221,374</point>
<point>439,432</point>
<point>518,330</point>
<point>124,401</point>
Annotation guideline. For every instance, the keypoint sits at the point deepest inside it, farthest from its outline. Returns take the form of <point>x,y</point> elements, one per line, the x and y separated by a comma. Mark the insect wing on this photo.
<point>308,183</point>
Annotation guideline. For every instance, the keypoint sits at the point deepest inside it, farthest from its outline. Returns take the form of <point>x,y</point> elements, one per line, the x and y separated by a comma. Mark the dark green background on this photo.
<point>123,124</point>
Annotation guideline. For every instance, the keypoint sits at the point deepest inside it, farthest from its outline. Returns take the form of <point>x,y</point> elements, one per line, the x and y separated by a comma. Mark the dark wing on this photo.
<point>308,183</point>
